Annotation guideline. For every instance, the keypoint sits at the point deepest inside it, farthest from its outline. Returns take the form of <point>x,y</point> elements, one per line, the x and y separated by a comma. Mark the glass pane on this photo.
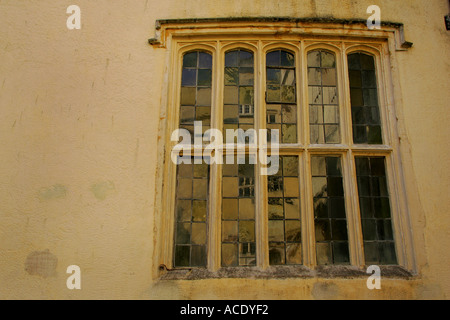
<point>276,230</point>
<point>315,95</point>
<point>273,93</point>
<point>289,133</point>
<point>204,97</point>
<point>231,59</point>
<point>189,77</point>
<point>291,187</point>
<point>231,76</point>
<point>376,223</point>
<point>239,90</point>
<point>287,59</point>
<point>284,213</point>
<point>329,77</point>
<point>199,208</point>
<point>190,60</point>
<point>183,233</point>
<point>363,92</point>
<point>245,59</point>
<point>281,87</point>
<point>198,256</point>
<point>314,59</point>
<point>341,253</point>
<point>182,256</point>
<point>195,89</point>
<point>330,114</point>
<point>238,213</point>
<point>183,210</point>
<point>329,210</point>
<point>332,134</point>
<point>273,76</point>
<point>230,231</point>
<point>204,77</point>
<point>230,187</point>
<point>229,254</point>
<point>293,230</point>
<point>273,58</point>
<point>330,95</point>
<point>246,95</point>
<point>246,76</point>
<point>200,189</point>
<point>287,94</point>
<point>230,209</point>
<point>205,60</point>
<point>275,208</point>
<point>289,114</point>
<point>188,96</point>
<point>323,253</point>
<point>293,253</point>
<point>198,233</point>
<point>273,113</point>
<point>287,77</point>
<point>291,208</point>
<point>327,60</point>
<point>231,95</point>
<point>290,166</point>
<point>276,254</point>
<point>191,215</point>
<point>187,114</point>
<point>246,231</point>
<point>314,76</point>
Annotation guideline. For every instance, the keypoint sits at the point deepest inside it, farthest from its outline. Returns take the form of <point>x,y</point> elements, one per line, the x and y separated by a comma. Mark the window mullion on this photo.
<point>262,247</point>
<point>307,215</point>
<point>352,208</point>
<point>344,102</point>
<point>215,209</point>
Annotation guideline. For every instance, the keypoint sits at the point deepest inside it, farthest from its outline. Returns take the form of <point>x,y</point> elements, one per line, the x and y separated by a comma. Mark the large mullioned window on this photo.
<point>329,202</point>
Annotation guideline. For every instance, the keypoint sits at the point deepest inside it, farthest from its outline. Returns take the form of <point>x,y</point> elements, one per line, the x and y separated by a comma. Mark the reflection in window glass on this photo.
<point>364,99</point>
<point>191,209</point>
<point>284,214</point>
<point>281,95</point>
<point>323,98</point>
<point>238,214</point>
<point>196,85</point>
<point>238,100</point>
<point>329,211</point>
<point>379,247</point>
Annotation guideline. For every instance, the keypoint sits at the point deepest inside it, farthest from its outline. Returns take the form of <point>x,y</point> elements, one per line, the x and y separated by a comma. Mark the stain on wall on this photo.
<point>57,191</point>
<point>103,189</point>
<point>41,263</point>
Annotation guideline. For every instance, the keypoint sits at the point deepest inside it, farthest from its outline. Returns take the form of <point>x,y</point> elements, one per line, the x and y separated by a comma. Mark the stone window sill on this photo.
<point>285,272</point>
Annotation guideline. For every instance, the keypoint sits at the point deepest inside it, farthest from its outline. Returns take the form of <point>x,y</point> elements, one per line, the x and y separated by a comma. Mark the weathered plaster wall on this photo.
<point>79,115</point>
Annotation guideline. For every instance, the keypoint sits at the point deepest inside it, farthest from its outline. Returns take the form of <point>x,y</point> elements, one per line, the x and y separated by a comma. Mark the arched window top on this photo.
<point>239,58</point>
<point>361,61</point>
<point>197,59</point>
<point>280,58</point>
<point>321,58</point>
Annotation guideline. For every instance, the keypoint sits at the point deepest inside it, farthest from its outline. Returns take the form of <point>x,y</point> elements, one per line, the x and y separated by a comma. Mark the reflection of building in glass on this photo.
<point>246,110</point>
<point>247,254</point>
<point>246,187</point>
<point>275,184</point>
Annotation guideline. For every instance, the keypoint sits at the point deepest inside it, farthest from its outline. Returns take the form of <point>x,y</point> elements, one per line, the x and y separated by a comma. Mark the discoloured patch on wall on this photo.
<point>325,291</point>
<point>41,263</point>
<point>103,189</point>
<point>57,191</point>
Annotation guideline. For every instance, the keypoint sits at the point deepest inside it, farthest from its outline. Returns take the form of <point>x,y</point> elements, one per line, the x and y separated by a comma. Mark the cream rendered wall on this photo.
<point>79,115</point>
